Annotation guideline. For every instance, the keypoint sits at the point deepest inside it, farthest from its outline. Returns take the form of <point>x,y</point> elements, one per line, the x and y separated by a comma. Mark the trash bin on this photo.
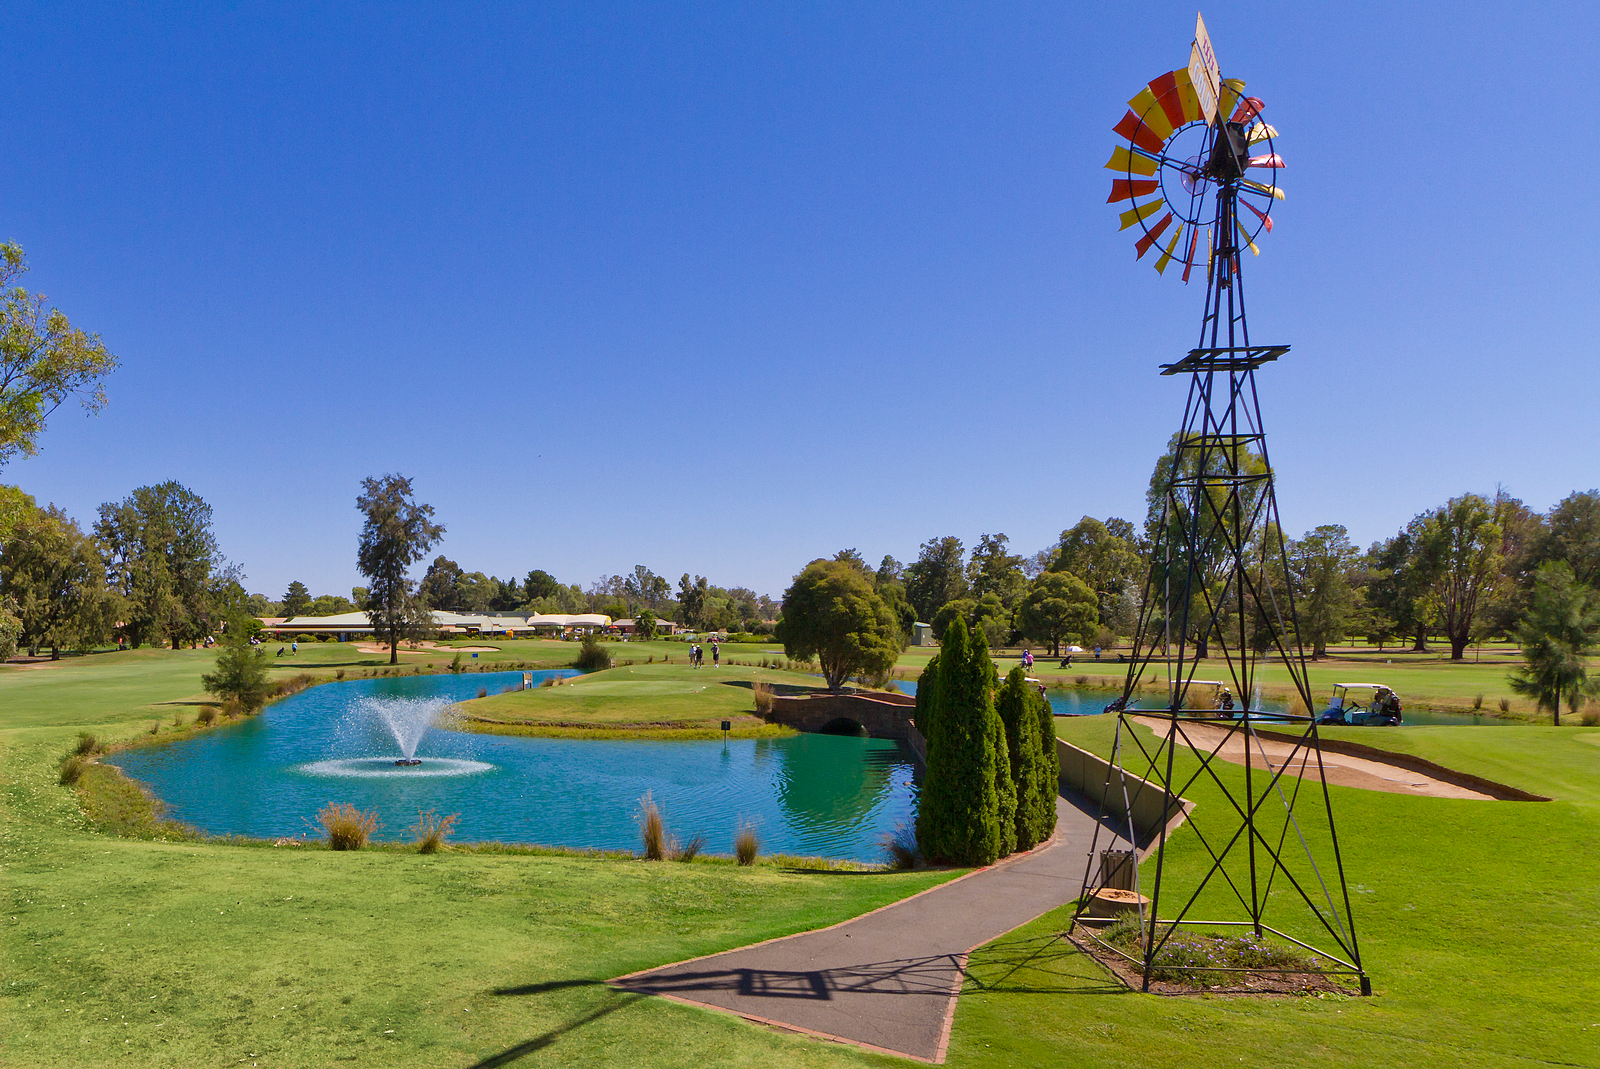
<point>1118,869</point>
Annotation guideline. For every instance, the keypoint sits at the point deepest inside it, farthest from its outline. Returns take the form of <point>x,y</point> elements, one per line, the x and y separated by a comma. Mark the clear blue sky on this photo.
<point>723,288</point>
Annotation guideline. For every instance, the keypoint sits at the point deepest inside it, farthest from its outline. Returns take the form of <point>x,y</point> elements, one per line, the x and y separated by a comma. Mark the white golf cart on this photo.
<point>1362,704</point>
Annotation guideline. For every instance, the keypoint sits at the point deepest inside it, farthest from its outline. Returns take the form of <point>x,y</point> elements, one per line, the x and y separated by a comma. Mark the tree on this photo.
<point>54,581</point>
<point>1018,705</point>
<point>967,811</point>
<point>241,676</point>
<point>692,600</point>
<point>1321,563</point>
<point>1107,562</point>
<point>44,360</point>
<point>541,584</point>
<point>164,561</point>
<point>1556,635</point>
<point>1574,535</point>
<point>960,609</point>
<point>438,587</point>
<point>832,613</point>
<point>397,533</point>
<point>936,576</point>
<point>1460,543</point>
<point>644,625</point>
<point>1059,605</point>
<point>1398,588</point>
<point>994,571</point>
<point>297,600</point>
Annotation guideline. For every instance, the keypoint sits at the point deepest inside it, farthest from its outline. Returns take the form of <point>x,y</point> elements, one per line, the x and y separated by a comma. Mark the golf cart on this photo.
<point>1362,704</point>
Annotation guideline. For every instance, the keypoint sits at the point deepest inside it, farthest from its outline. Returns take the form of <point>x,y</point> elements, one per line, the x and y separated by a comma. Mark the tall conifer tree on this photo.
<point>967,791</point>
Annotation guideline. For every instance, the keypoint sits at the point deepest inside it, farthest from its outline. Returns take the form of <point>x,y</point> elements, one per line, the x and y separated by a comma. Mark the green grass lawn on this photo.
<point>1479,923</point>
<point>642,700</point>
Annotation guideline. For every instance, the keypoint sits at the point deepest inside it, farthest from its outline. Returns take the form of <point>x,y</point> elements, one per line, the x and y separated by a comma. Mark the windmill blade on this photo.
<point>1144,105</point>
<point>1271,159</point>
<point>1246,236</point>
<point>1188,100</point>
<point>1128,188</point>
<point>1137,133</point>
<point>1231,93</point>
<point>1248,108</point>
<point>1256,187</point>
<point>1131,162</point>
<point>1166,256</point>
<point>1142,211</point>
<point>1266,220</point>
<point>1259,132</point>
<point>1149,239</point>
<point>1188,254</point>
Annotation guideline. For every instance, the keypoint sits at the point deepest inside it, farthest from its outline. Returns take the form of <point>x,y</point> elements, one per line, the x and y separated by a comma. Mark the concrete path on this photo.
<point>887,980</point>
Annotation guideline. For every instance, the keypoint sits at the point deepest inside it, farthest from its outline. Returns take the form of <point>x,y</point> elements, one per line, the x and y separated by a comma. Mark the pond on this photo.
<point>1084,702</point>
<point>266,777</point>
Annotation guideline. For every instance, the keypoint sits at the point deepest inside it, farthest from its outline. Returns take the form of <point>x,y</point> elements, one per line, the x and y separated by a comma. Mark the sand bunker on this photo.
<point>1342,769</point>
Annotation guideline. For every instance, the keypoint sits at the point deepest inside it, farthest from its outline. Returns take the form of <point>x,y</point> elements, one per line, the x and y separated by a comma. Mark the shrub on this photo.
<point>1477,702</point>
<point>339,674</point>
<point>207,715</point>
<point>689,850</point>
<point>455,665</point>
<point>87,743</point>
<point>1297,705</point>
<point>72,769</point>
<point>348,828</point>
<point>746,843</point>
<point>1080,680</point>
<point>900,847</point>
<point>1505,705</point>
<point>651,829</point>
<point>591,656</point>
<point>155,727</point>
<point>241,676</point>
<point>550,681</point>
<point>431,830</point>
<point>763,697</point>
<point>177,719</point>
<point>324,637</point>
<point>1590,719</point>
<point>483,692</point>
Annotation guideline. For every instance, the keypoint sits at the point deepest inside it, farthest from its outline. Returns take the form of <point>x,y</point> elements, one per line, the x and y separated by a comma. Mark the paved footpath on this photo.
<point>887,980</point>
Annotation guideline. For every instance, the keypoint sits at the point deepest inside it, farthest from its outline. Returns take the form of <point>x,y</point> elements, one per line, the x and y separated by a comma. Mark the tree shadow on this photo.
<point>616,1000</point>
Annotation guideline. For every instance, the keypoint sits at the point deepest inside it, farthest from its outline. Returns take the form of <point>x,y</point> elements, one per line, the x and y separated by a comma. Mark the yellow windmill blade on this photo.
<point>1244,234</point>
<point>1144,105</point>
<point>1131,162</point>
<point>1275,192</point>
<point>1260,132</point>
<point>1142,211</point>
<point>1166,254</point>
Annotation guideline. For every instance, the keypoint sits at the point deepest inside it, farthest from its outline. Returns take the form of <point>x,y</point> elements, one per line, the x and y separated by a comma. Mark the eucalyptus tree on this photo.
<point>397,532</point>
<point>162,557</point>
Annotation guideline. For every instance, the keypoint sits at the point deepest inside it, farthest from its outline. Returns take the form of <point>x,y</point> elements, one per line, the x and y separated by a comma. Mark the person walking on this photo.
<point>716,654</point>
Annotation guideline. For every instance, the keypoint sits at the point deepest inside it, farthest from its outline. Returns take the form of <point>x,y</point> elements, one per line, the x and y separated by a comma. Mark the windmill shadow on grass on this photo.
<point>616,1000</point>
<point>1048,964</point>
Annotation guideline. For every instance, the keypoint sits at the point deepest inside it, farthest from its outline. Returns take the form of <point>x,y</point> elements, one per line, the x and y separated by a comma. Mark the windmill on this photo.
<point>1194,151</point>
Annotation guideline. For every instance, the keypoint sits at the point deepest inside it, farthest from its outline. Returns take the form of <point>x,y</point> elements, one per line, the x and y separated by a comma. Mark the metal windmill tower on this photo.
<point>1219,592</point>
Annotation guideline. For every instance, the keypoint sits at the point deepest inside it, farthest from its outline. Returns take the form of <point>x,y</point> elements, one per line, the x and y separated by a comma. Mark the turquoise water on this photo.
<point>1079,702</point>
<point>266,777</point>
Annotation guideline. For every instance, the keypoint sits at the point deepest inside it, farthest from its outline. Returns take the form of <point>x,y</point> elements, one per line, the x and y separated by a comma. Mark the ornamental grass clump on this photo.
<point>348,828</point>
<point>72,767</point>
<point>592,657</point>
<point>746,843</point>
<point>431,830</point>
<point>651,829</point>
<point>689,850</point>
<point>86,744</point>
<point>900,848</point>
<point>763,698</point>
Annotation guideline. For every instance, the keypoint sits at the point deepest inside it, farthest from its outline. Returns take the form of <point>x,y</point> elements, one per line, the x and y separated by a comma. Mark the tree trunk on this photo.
<point>1319,650</point>
<point>177,643</point>
<point>394,648</point>
<point>1201,648</point>
<point>1458,647</point>
<point>1556,709</point>
<point>55,653</point>
<point>1422,640</point>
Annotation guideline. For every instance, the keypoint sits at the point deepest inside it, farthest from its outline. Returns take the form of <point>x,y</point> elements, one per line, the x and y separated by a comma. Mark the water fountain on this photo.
<point>405,722</point>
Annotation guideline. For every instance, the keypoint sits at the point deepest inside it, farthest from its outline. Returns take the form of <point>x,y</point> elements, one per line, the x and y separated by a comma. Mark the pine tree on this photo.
<point>967,789</point>
<point>1049,762</point>
<point>1021,717</point>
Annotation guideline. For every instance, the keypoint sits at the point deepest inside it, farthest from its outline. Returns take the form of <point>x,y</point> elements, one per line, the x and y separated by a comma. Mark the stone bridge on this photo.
<point>884,715</point>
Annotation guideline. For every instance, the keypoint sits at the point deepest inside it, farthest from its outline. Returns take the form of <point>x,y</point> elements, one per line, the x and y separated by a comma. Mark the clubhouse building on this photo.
<point>353,625</point>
